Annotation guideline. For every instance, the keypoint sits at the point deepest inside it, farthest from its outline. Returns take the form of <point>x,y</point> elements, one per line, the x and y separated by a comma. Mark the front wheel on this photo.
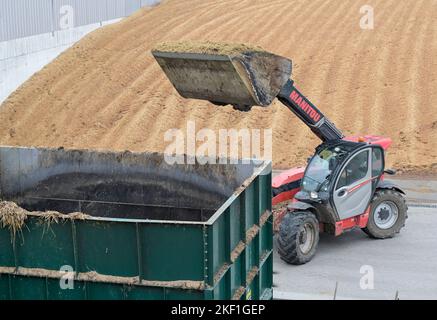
<point>298,237</point>
<point>388,212</point>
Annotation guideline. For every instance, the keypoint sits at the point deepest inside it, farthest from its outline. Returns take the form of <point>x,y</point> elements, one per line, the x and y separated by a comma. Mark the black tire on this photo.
<point>391,196</point>
<point>291,233</point>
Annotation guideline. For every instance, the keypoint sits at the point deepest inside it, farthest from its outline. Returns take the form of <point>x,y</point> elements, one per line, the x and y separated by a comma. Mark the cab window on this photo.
<point>377,162</point>
<point>355,170</point>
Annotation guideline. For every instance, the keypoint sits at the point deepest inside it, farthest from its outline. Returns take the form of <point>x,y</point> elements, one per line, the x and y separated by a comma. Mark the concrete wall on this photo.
<point>21,57</point>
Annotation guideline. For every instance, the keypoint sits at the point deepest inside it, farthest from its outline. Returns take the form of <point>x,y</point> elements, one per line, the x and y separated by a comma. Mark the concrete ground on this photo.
<point>420,192</point>
<point>405,264</point>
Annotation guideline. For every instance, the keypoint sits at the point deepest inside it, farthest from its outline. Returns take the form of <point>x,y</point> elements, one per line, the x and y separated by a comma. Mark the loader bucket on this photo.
<point>223,73</point>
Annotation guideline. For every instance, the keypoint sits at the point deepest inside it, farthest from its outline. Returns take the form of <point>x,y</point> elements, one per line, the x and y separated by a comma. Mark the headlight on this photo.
<point>314,195</point>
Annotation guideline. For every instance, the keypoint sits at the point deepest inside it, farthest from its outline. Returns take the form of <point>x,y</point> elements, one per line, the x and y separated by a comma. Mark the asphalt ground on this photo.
<point>353,266</point>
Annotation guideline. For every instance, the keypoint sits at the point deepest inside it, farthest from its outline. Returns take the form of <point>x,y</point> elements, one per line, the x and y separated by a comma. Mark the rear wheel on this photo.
<point>388,212</point>
<point>298,237</point>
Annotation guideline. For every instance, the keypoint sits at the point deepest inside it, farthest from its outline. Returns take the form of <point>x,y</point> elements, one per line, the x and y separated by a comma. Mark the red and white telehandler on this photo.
<point>341,188</point>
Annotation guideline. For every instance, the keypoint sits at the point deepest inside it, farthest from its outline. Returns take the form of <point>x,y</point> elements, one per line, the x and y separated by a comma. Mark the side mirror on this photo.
<point>391,172</point>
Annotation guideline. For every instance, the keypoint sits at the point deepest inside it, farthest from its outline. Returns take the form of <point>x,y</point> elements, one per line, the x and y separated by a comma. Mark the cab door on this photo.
<point>353,189</point>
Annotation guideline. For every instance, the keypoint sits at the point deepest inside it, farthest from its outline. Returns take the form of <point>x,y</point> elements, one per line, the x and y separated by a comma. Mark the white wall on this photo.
<point>21,58</point>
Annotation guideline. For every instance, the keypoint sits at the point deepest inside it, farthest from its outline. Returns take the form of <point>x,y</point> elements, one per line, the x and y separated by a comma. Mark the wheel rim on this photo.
<point>386,214</point>
<point>306,238</point>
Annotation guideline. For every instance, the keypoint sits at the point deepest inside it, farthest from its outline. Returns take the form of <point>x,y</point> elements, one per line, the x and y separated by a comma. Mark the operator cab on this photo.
<point>340,179</point>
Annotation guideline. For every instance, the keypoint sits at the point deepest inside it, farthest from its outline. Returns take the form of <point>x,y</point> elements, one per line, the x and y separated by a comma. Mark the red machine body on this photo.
<point>288,183</point>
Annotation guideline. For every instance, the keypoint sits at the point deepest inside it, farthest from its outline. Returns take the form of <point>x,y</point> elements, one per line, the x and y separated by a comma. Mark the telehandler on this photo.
<point>341,188</point>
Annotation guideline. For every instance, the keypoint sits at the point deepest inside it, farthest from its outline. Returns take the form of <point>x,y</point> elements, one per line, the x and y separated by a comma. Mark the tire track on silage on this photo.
<point>304,138</point>
<point>361,73</point>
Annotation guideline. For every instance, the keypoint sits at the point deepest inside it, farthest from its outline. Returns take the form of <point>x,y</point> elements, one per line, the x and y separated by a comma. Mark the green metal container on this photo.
<point>151,229</point>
